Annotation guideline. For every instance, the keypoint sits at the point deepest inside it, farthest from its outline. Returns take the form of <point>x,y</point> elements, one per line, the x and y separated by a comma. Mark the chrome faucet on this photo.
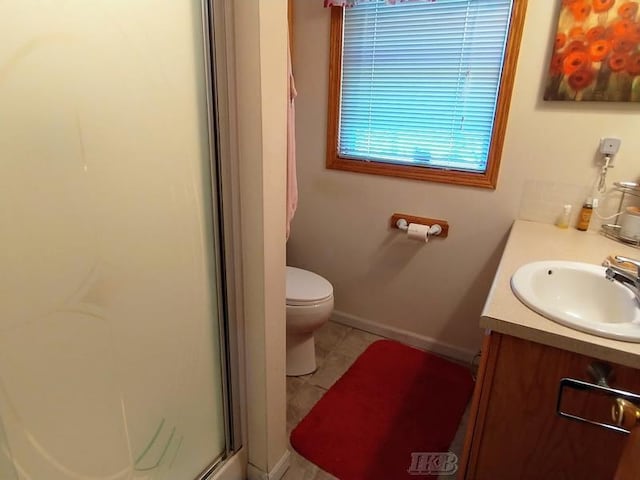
<point>627,278</point>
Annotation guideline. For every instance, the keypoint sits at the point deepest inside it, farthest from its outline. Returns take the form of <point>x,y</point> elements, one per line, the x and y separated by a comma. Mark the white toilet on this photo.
<point>309,305</point>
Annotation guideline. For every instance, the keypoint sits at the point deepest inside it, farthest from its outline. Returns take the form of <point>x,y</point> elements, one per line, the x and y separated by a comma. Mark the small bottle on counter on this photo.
<point>585,215</point>
<point>563,219</point>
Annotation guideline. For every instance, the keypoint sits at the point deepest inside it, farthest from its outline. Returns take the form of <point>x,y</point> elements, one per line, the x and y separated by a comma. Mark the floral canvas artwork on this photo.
<point>596,53</point>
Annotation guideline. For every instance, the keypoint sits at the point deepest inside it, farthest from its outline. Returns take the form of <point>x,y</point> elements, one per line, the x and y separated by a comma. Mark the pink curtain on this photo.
<point>353,3</point>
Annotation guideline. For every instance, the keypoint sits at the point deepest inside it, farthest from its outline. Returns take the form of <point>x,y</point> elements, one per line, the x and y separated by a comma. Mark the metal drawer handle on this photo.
<point>621,410</point>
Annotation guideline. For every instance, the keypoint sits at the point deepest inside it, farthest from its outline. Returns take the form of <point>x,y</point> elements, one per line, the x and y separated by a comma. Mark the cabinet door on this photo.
<point>517,431</point>
<point>629,463</point>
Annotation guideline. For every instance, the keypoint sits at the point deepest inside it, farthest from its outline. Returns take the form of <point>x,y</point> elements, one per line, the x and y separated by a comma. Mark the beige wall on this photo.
<point>261,101</point>
<point>438,290</point>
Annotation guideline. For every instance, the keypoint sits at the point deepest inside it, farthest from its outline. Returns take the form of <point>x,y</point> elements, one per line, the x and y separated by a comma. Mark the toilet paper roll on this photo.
<point>418,232</point>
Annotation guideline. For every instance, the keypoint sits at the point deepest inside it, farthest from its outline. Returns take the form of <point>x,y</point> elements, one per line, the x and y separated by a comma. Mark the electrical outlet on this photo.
<point>609,146</point>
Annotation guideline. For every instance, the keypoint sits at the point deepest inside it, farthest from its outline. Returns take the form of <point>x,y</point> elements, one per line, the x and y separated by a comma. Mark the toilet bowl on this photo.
<point>309,305</point>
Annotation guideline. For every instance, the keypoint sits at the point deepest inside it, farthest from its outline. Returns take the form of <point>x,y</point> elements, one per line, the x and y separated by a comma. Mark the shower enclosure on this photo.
<point>113,355</point>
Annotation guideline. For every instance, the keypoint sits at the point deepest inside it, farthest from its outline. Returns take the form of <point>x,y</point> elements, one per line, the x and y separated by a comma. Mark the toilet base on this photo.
<point>301,354</point>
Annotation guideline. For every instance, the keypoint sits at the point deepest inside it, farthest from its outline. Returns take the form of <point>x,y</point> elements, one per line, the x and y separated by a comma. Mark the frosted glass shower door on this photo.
<point>109,328</point>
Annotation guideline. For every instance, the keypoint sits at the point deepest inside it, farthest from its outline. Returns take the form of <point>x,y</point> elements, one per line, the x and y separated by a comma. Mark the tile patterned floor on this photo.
<point>337,347</point>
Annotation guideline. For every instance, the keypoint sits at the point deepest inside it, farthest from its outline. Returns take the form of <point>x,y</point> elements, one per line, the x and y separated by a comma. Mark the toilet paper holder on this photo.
<point>401,221</point>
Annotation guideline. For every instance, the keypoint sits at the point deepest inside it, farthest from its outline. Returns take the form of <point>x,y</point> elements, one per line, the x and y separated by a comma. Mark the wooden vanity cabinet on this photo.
<point>514,431</point>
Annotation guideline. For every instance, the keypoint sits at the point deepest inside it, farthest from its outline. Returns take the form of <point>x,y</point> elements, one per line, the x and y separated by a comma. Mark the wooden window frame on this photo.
<point>487,179</point>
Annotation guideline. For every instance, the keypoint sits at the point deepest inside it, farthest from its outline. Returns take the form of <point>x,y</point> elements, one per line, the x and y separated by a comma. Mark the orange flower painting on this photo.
<point>596,52</point>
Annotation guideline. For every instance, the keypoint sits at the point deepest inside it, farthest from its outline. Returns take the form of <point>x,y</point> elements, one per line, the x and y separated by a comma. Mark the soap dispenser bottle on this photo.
<point>585,215</point>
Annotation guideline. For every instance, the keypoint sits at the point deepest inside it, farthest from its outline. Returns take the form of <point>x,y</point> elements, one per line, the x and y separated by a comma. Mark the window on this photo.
<point>422,89</point>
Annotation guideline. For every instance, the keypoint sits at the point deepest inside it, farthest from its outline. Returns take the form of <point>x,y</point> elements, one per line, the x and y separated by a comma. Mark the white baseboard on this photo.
<point>404,336</point>
<point>276,473</point>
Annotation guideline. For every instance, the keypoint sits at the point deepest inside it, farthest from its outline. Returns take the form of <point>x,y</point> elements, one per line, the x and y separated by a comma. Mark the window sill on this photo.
<point>455,177</point>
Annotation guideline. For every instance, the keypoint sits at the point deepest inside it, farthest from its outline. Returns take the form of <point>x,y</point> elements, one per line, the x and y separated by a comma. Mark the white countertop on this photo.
<point>529,242</point>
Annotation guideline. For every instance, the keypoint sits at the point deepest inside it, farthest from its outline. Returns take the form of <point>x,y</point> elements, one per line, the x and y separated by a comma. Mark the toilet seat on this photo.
<point>306,288</point>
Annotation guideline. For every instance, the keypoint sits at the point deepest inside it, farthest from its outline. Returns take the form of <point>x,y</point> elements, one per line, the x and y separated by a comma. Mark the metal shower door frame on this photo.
<point>224,203</point>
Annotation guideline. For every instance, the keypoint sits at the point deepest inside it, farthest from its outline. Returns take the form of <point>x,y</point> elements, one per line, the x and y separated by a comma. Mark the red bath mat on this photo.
<point>393,405</point>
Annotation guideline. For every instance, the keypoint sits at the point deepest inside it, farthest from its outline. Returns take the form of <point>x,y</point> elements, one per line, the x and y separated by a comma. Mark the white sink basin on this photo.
<point>579,296</point>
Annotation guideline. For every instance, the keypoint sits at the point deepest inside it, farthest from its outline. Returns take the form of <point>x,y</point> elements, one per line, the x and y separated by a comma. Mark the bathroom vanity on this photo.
<point>530,411</point>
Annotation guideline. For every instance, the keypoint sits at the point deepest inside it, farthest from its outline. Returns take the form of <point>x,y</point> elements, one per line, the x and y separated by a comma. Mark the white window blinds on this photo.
<point>420,81</point>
